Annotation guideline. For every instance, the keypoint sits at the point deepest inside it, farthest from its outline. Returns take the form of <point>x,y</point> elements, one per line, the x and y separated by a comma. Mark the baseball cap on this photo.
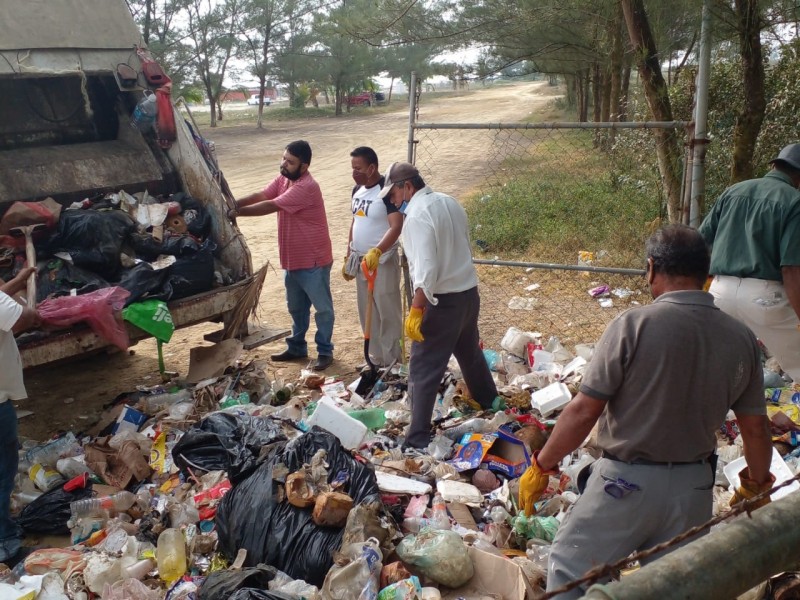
<point>790,155</point>
<point>397,173</point>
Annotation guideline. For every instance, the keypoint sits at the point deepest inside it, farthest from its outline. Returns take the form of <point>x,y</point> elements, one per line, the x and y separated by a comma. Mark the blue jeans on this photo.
<point>10,534</point>
<point>304,288</point>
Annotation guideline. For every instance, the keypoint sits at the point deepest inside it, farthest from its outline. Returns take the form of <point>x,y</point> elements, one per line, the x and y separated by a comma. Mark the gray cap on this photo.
<point>398,172</point>
<point>789,155</point>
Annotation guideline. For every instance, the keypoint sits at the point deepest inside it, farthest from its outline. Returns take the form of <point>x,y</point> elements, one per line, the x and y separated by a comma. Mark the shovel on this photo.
<point>30,257</point>
<point>369,378</point>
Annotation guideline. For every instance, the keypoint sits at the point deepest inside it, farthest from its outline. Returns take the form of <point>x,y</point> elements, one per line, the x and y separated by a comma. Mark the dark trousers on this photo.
<point>450,327</point>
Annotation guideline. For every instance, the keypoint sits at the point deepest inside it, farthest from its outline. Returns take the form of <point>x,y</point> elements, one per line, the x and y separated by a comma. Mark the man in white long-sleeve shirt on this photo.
<point>443,319</point>
<point>14,318</point>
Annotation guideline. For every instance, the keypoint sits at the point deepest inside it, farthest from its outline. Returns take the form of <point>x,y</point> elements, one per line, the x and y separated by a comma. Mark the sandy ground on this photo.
<point>71,396</point>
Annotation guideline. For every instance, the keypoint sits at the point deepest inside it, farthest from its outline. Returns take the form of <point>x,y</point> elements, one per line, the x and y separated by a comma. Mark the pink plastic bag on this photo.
<point>100,309</point>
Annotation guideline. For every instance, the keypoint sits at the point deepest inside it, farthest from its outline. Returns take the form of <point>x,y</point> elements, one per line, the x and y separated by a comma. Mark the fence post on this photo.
<point>723,564</point>
<point>700,139</point>
<point>412,111</point>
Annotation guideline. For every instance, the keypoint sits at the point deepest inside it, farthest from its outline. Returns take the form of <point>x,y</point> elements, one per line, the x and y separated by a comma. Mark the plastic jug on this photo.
<point>144,115</point>
<point>91,506</point>
<point>171,555</point>
<point>44,478</point>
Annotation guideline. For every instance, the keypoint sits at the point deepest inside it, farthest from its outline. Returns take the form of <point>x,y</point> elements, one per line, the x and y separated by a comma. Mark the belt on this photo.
<point>656,463</point>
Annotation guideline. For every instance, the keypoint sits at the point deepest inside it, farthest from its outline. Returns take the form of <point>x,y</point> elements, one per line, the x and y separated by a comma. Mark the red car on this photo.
<point>365,99</point>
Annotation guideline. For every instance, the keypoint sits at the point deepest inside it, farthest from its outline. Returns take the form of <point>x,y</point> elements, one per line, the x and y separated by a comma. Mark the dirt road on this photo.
<point>69,397</point>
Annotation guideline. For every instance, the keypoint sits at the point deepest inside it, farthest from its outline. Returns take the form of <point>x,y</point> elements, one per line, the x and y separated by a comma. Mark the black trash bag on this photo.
<point>226,442</point>
<point>195,215</point>
<point>145,282</point>
<point>148,248</point>
<point>93,238</point>
<point>221,585</point>
<point>57,277</point>
<point>193,273</point>
<point>282,535</point>
<point>50,512</point>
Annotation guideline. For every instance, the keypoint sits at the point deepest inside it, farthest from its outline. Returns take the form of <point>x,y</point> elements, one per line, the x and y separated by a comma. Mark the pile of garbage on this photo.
<point>152,247</point>
<point>249,487</point>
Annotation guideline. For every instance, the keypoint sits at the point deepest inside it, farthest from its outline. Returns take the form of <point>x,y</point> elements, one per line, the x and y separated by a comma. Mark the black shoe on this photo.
<point>287,355</point>
<point>323,362</point>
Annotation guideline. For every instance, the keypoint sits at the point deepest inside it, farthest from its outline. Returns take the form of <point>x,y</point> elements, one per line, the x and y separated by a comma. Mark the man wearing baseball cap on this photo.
<point>754,232</point>
<point>443,319</point>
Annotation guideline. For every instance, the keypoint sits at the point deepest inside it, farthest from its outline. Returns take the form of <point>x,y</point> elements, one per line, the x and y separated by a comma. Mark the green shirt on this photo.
<point>754,228</point>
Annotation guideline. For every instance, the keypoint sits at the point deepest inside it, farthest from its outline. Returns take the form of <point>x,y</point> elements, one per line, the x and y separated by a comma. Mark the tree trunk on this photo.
<point>617,53</point>
<point>585,106</point>
<point>656,93</point>
<point>596,92</point>
<point>624,88</point>
<point>748,123</point>
<point>148,17</point>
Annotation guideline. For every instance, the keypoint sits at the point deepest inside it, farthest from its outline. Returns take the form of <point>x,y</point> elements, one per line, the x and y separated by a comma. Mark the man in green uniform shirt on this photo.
<point>754,232</point>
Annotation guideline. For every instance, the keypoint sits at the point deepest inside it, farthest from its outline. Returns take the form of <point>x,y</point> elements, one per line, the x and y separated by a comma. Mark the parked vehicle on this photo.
<point>69,136</point>
<point>253,100</point>
<point>366,99</point>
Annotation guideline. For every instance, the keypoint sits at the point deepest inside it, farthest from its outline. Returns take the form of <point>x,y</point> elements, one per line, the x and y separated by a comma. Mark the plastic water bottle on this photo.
<point>158,402</point>
<point>144,115</point>
<point>90,506</point>
<point>439,518</point>
<point>171,554</point>
<point>71,468</point>
<point>49,453</point>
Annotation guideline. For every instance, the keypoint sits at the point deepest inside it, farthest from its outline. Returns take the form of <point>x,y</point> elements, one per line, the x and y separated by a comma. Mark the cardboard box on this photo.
<point>129,419</point>
<point>500,451</point>
<point>495,578</point>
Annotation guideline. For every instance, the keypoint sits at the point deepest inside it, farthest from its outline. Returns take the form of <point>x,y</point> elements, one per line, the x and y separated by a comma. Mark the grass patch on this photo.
<point>564,197</point>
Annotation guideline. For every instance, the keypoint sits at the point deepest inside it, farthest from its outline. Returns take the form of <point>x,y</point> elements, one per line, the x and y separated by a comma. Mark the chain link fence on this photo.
<point>554,300</point>
<point>538,195</point>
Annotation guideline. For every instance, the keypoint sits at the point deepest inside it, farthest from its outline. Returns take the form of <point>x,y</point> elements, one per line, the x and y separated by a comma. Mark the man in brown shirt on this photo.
<point>661,381</point>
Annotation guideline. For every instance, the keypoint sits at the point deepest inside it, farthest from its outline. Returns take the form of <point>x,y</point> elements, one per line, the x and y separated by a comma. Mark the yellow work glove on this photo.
<point>345,274</point>
<point>372,257</point>
<point>748,488</point>
<point>414,324</point>
<point>532,485</point>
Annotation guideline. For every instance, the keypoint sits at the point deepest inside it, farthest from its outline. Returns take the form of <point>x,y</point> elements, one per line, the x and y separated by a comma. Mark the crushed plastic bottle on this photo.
<point>159,402</point>
<point>373,418</point>
<point>358,580</point>
<point>49,453</point>
<point>91,506</point>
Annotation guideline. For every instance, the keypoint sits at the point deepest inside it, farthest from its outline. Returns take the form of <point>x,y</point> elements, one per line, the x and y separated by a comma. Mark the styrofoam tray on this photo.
<point>778,467</point>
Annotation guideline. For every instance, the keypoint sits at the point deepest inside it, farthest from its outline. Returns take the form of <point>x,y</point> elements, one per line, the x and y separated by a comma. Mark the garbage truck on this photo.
<point>72,74</point>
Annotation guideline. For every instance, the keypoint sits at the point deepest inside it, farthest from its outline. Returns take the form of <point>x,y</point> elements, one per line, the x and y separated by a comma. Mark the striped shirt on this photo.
<point>303,238</point>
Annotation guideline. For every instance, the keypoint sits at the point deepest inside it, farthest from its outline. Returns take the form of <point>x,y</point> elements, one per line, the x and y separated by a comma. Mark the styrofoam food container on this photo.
<point>778,467</point>
<point>330,417</point>
<point>551,398</point>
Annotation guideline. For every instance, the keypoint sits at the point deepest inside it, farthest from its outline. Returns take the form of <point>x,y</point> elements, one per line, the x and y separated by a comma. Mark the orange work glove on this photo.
<point>532,485</point>
<point>748,488</point>
<point>414,324</point>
